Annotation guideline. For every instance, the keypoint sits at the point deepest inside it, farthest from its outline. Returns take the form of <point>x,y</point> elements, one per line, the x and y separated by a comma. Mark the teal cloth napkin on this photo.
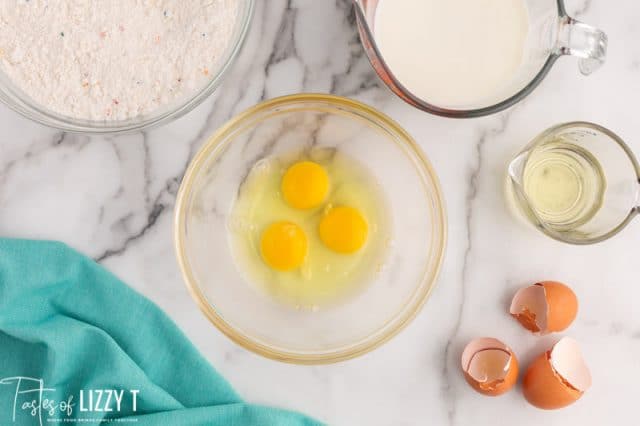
<point>75,342</point>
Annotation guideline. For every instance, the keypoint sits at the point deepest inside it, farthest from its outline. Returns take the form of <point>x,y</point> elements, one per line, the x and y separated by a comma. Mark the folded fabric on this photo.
<point>79,346</point>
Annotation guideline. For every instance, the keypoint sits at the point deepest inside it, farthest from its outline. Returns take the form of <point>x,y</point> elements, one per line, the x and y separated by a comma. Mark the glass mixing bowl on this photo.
<point>20,102</point>
<point>394,294</point>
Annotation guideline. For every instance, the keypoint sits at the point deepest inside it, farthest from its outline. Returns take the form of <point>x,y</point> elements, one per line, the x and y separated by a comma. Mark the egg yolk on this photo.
<point>284,246</point>
<point>305,185</point>
<point>343,229</point>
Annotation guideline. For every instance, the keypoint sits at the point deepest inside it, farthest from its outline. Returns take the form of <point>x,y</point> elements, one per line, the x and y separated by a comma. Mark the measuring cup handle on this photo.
<point>583,41</point>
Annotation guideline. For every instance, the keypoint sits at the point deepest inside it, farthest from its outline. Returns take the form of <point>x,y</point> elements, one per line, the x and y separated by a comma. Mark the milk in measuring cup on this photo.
<point>452,53</point>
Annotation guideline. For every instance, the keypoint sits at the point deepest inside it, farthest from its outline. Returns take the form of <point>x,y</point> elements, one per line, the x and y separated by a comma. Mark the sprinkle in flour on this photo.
<point>113,59</point>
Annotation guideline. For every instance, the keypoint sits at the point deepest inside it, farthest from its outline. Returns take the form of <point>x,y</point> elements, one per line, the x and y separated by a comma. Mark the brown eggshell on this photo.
<point>529,307</point>
<point>562,306</point>
<point>545,307</point>
<point>501,355</point>
<point>546,388</point>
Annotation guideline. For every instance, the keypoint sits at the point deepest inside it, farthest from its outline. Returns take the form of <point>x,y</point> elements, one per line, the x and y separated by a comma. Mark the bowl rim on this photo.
<point>23,105</point>
<point>378,337</point>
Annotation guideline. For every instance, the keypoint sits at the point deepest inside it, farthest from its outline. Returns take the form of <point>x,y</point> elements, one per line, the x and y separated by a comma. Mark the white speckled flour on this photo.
<point>112,59</point>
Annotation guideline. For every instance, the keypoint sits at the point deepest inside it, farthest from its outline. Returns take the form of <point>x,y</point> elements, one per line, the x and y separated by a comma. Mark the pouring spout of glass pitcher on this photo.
<point>515,172</point>
<point>583,41</point>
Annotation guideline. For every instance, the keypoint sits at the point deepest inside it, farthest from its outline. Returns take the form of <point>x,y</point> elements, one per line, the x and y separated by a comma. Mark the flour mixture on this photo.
<point>113,59</point>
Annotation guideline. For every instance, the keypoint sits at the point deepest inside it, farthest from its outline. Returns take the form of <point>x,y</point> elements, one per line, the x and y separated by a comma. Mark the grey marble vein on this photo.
<point>451,358</point>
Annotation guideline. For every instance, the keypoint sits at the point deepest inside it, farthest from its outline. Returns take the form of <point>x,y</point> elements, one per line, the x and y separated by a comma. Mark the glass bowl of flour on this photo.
<point>116,65</point>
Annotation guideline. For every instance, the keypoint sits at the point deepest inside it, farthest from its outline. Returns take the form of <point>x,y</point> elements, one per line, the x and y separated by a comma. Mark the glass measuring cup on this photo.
<point>577,182</point>
<point>552,34</point>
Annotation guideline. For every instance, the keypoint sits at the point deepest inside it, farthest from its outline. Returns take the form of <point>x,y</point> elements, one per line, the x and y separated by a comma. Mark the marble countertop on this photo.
<point>113,197</point>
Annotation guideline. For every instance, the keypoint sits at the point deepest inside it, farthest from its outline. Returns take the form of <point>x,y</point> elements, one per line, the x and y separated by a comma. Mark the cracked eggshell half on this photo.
<point>545,307</point>
<point>489,366</point>
<point>558,377</point>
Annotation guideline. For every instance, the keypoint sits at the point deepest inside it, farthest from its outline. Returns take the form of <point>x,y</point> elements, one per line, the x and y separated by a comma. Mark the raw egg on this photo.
<point>309,258</point>
<point>343,230</point>
<point>545,307</point>
<point>305,185</point>
<point>558,377</point>
<point>283,246</point>
<point>489,366</point>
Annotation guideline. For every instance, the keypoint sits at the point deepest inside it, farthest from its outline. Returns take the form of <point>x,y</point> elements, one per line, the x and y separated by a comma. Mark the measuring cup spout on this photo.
<point>517,193</point>
<point>516,169</point>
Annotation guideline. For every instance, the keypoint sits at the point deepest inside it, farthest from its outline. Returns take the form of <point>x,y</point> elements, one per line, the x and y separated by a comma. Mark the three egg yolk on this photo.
<point>305,185</point>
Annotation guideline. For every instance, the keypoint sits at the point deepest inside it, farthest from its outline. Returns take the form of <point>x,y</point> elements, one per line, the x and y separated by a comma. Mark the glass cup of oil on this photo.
<point>577,182</point>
